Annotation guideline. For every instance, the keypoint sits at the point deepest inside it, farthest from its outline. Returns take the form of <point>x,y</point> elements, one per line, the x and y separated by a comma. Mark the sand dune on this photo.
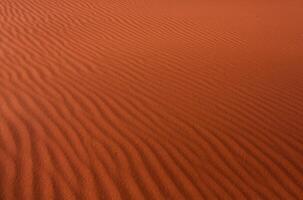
<point>151,99</point>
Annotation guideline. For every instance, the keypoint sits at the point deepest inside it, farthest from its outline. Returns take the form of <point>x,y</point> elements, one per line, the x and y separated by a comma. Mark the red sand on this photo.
<point>151,99</point>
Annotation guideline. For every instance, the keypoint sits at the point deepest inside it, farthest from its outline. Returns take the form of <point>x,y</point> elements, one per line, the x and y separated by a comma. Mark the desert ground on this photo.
<point>150,99</point>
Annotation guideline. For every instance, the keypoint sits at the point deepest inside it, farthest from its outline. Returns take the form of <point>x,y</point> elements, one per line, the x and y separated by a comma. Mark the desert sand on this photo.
<point>151,99</point>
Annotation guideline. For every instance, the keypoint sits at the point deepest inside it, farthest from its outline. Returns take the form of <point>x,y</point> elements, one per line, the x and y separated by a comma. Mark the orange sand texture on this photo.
<point>112,99</point>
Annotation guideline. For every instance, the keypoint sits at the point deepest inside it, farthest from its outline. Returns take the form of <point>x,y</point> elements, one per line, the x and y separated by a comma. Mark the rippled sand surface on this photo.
<point>151,99</point>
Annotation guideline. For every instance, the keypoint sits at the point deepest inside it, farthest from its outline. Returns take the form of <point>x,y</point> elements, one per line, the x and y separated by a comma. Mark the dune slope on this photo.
<point>151,99</point>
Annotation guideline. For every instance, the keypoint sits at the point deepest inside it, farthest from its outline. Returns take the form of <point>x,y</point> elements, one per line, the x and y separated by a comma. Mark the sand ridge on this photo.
<point>151,100</point>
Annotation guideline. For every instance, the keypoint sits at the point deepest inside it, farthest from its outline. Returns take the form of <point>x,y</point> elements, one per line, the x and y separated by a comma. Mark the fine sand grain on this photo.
<point>112,99</point>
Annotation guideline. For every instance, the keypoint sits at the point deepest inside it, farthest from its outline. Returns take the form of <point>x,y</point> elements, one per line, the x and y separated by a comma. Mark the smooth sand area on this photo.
<point>113,99</point>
